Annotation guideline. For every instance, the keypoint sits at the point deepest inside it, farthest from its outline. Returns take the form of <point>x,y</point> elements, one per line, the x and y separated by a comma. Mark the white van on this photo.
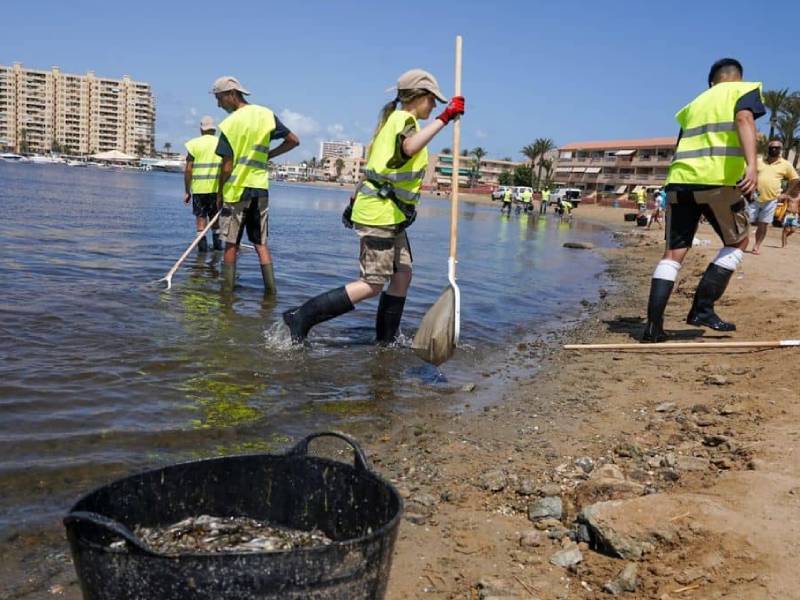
<point>516,192</point>
<point>573,195</point>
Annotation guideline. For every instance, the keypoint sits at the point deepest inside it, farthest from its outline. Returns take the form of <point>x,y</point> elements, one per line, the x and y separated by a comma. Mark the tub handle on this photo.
<point>359,461</point>
<point>110,525</point>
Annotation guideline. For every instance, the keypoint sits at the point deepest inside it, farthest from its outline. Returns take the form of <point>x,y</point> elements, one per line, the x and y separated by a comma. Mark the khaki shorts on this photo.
<point>723,207</point>
<point>251,213</point>
<point>384,252</point>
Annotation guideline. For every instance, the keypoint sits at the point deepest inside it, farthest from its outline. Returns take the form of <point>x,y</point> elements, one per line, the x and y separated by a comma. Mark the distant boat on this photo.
<point>77,163</point>
<point>47,160</point>
<point>11,157</point>
<point>164,165</point>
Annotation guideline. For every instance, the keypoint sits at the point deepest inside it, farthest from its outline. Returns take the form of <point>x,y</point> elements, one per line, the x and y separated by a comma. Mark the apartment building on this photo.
<point>615,166</point>
<point>344,149</point>
<point>76,114</point>
<point>487,174</point>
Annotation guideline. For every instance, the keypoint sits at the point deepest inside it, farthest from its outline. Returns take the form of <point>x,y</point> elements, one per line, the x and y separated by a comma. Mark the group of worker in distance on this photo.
<point>714,175</point>
<point>563,207</point>
<point>228,173</point>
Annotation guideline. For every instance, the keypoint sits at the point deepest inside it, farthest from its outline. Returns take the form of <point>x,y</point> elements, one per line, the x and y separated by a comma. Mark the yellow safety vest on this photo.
<point>406,180</point>
<point>205,166</point>
<point>248,130</point>
<point>507,196</point>
<point>709,151</point>
<point>526,197</point>
<point>545,195</point>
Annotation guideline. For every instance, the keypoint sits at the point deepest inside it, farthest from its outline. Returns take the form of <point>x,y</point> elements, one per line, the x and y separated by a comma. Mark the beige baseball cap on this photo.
<point>418,79</point>
<point>226,84</point>
<point>207,123</point>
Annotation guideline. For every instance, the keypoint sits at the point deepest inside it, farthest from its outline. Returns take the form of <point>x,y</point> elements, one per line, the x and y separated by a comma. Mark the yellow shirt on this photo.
<point>770,177</point>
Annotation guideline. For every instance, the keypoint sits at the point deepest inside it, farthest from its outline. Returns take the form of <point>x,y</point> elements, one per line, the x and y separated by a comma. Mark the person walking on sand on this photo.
<point>243,194</point>
<point>790,219</point>
<point>201,180</point>
<point>713,166</point>
<point>384,206</point>
<point>772,172</point>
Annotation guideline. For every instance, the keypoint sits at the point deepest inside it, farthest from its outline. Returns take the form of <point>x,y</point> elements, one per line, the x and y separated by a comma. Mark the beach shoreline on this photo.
<point>700,443</point>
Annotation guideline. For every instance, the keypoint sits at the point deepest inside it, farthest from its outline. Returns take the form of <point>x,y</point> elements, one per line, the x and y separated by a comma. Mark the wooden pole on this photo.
<point>684,345</point>
<point>456,159</point>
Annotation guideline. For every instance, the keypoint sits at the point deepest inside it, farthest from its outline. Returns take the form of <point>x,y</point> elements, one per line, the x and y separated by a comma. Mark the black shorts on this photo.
<point>723,207</point>
<point>204,205</point>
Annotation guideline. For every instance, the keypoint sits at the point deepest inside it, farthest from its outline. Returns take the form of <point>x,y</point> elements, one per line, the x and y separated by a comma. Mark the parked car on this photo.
<point>500,192</point>
<point>516,192</point>
<point>569,194</point>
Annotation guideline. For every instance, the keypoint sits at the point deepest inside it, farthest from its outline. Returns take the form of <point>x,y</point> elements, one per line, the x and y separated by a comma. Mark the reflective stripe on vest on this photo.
<point>405,179</point>
<point>205,164</point>
<point>709,151</point>
<point>248,130</point>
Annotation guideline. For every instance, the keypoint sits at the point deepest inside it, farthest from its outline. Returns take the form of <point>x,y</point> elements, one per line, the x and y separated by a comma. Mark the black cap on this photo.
<point>721,64</point>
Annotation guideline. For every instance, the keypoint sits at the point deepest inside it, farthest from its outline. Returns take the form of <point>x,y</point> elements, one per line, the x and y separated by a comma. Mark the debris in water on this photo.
<point>225,534</point>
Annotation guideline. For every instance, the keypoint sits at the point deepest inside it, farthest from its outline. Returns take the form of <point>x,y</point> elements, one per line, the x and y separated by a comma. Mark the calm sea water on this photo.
<point>103,374</point>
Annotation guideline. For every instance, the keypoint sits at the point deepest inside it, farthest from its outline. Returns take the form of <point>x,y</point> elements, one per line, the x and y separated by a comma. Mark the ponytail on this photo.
<point>404,97</point>
<point>384,115</point>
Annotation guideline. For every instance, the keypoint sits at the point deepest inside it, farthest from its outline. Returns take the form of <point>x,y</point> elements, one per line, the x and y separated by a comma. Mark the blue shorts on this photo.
<point>791,220</point>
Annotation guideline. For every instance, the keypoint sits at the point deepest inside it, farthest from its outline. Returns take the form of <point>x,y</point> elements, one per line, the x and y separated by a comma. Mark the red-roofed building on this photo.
<point>615,166</point>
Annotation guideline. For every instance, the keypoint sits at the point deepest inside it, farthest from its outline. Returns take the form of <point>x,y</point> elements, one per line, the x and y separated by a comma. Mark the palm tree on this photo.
<point>788,125</point>
<point>446,151</point>
<point>167,147</point>
<point>775,102</point>
<point>548,169</point>
<point>530,152</point>
<point>543,146</point>
<point>475,172</point>
<point>339,164</point>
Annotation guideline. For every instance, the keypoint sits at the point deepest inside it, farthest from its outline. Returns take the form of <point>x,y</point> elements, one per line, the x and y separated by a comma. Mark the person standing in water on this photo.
<point>243,194</point>
<point>384,206</point>
<point>200,179</point>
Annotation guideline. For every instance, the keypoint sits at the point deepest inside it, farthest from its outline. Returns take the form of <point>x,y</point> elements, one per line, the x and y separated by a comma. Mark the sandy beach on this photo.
<point>681,466</point>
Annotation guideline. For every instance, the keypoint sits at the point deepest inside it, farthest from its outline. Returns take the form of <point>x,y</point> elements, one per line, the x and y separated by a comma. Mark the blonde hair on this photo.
<point>403,97</point>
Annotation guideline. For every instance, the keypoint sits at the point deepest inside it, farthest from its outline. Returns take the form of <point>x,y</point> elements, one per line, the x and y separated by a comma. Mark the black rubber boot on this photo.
<point>321,308</point>
<point>217,242</point>
<point>268,275</point>
<point>387,321</point>
<point>202,246</point>
<point>709,290</point>
<point>660,291</point>
<point>228,277</point>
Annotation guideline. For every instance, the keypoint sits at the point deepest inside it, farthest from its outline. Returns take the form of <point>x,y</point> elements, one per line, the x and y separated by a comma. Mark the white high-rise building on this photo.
<point>344,149</point>
<point>42,111</point>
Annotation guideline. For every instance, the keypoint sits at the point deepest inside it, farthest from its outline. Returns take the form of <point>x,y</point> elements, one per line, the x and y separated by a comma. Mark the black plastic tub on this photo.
<point>349,503</point>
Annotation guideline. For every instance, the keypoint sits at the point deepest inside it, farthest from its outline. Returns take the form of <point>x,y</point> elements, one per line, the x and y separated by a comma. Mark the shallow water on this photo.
<point>103,374</point>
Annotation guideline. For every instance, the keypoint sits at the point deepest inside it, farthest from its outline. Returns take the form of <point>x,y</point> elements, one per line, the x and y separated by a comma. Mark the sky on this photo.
<point>570,71</point>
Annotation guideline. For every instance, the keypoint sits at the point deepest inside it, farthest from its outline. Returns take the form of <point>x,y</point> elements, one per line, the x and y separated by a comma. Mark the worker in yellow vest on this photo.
<point>383,207</point>
<point>545,193</point>
<point>714,165</point>
<point>243,194</point>
<point>507,199</point>
<point>526,196</point>
<point>200,179</point>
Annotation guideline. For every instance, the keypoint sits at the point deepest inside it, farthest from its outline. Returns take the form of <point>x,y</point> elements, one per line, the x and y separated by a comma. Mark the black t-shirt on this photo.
<point>750,101</point>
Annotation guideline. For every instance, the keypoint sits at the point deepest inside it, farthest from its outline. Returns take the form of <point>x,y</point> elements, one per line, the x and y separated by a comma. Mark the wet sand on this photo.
<point>705,445</point>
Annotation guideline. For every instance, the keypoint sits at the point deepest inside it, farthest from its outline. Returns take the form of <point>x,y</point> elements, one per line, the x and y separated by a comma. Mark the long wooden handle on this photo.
<point>196,241</point>
<point>683,345</point>
<point>456,160</point>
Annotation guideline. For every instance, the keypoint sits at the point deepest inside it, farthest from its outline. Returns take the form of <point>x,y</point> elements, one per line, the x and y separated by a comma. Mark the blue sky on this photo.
<point>565,70</point>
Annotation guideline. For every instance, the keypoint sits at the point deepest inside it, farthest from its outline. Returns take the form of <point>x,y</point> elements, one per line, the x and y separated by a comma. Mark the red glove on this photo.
<point>454,108</point>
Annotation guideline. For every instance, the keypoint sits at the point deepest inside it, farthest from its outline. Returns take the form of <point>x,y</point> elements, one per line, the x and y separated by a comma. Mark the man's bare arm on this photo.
<point>225,170</point>
<point>746,127</point>
<point>187,181</point>
<point>291,142</point>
